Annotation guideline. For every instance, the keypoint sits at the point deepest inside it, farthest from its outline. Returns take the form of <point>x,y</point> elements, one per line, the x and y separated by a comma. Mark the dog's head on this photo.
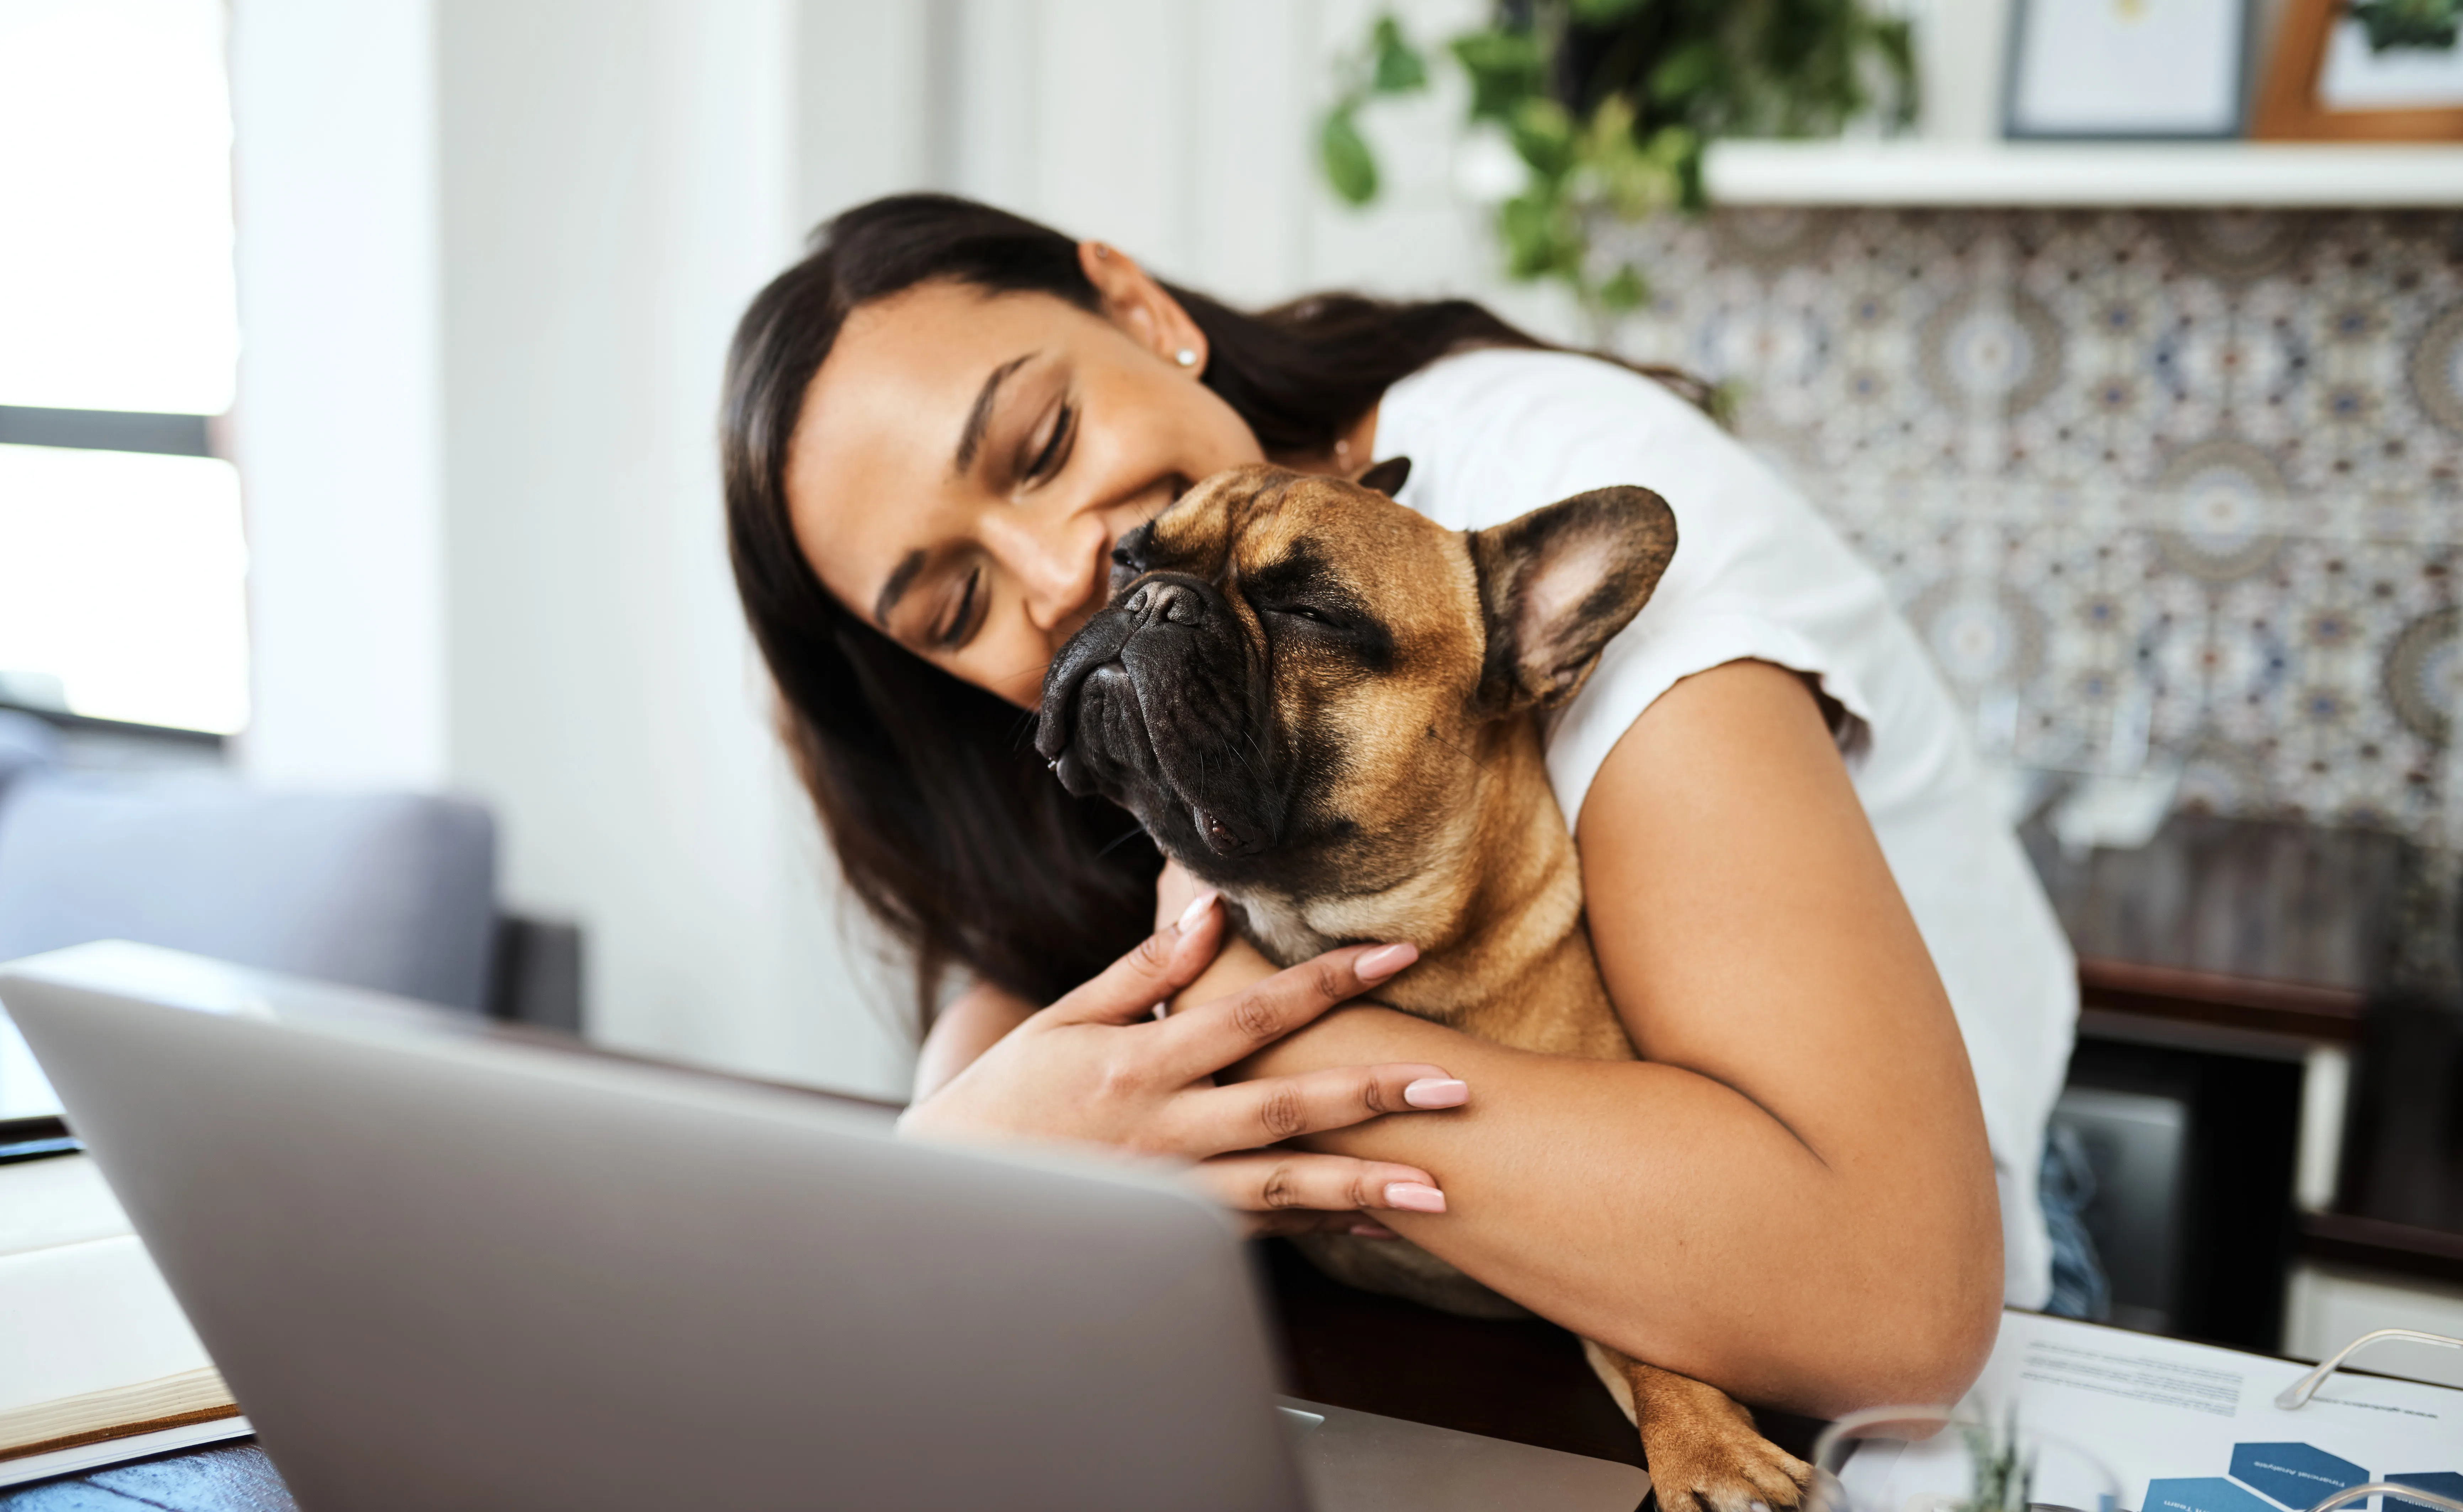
<point>1293,674</point>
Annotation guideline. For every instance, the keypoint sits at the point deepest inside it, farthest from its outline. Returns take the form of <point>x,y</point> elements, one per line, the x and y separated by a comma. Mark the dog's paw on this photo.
<point>1704,1453</point>
<point>1710,1462</point>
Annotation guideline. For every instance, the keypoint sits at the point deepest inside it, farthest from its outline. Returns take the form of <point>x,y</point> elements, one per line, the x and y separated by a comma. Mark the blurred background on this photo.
<point>359,366</point>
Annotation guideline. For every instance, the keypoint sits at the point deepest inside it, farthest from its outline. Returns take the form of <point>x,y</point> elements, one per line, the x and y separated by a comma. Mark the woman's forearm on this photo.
<point>1655,1210</point>
<point>974,1022</point>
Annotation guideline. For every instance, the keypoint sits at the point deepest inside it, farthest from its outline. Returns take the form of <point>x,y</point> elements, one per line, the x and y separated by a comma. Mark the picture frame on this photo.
<point>2318,54</point>
<point>2127,70</point>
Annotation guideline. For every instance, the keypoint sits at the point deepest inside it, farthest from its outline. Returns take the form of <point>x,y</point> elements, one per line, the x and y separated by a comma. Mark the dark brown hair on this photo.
<point>946,824</point>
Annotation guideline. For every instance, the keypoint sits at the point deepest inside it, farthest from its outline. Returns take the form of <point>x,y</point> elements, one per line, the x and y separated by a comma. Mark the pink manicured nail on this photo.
<point>1196,909</point>
<point>1384,960</point>
<point>1372,1231</point>
<point>1413,1197</point>
<point>1437,1091</point>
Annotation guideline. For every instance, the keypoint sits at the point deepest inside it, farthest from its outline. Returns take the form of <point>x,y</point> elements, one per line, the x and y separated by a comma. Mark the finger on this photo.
<point>1207,1038</point>
<point>1275,1109</point>
<point>1279,1181</point>
<point>1163,964</point>
<point>1284,1223</point>
<point>1174,891</point>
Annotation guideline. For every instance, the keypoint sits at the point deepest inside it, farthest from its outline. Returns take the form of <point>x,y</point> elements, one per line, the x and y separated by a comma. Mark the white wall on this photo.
<point>1184,131</point>
<point>335,424</point>
<point>616,182</point>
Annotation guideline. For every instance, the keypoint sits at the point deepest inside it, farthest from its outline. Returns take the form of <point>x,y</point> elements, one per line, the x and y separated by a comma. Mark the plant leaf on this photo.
<point>1688,70</point>
<point>1343,152</point>
<point>1505,68</point>
<point>1625,290</point>
<point>1542,133</point>
<point>1397,67</point>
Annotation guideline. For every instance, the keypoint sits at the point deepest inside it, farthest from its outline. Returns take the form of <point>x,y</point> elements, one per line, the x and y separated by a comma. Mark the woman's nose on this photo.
<point>1058,559</point>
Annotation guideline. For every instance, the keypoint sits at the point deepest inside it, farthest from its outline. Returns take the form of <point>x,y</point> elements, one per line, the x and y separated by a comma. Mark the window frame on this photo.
<point>143,431</point>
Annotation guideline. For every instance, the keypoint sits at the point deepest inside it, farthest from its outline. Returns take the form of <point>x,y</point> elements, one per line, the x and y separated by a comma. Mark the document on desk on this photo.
<point>2134,1421</point>
<point>97,1364</point>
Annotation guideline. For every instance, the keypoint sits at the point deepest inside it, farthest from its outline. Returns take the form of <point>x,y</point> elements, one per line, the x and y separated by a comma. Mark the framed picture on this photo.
<point>2128,68</point>
<point>2327,83</point>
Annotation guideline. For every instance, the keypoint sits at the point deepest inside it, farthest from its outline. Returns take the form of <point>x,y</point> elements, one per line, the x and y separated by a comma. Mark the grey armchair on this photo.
<point>395,892</point>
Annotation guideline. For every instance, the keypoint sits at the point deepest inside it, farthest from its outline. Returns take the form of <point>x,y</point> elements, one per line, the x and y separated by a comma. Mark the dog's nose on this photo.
<point>1167,602</point>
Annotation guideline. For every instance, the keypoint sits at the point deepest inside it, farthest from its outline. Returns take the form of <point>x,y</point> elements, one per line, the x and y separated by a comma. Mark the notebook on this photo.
<point>98,1365</point>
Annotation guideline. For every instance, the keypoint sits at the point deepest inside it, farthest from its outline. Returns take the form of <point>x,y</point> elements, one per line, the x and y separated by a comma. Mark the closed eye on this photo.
<point>1314,613</point>
<point>963,620</point>
<point>1054,452</point>
<point>1346,630</point>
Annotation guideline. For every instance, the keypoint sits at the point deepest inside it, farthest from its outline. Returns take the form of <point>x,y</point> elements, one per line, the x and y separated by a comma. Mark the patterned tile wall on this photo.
<point>2160,489</point>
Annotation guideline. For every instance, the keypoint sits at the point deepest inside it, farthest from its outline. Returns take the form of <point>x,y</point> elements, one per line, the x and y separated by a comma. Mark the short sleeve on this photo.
<point>1757,575</point>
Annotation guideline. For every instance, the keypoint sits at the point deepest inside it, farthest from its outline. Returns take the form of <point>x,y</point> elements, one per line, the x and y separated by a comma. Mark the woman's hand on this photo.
<point>1097,1066</point>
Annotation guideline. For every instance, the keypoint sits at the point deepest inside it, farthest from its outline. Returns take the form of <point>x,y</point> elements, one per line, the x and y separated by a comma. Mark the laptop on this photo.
<point>447,1262</point>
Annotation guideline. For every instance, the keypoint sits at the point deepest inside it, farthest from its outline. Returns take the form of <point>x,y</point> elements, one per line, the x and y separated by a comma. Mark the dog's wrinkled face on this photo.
<point>1289,683</point>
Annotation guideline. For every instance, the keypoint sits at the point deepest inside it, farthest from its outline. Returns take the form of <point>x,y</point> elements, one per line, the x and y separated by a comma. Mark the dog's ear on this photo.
<point>1558,583</point>
<point>1386,477</point>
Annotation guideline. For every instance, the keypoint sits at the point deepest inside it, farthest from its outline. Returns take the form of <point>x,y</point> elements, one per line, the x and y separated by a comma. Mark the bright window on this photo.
<point>121,570</point>
<point>114,189</point>
<point>122,578</point>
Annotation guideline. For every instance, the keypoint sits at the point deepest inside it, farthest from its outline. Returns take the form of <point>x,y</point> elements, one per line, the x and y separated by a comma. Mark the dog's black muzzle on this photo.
<point>1159,704</point>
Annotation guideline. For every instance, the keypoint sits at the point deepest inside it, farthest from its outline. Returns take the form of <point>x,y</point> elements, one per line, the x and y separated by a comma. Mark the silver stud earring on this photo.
<point>1186,356</point>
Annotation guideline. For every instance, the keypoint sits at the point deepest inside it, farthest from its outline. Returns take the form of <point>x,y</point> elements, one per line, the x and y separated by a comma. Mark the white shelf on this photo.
<point>1958,173</point>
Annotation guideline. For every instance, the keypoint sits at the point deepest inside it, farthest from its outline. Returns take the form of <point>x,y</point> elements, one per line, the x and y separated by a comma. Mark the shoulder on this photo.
<point>1490,389</point>
<point>1496,432</point>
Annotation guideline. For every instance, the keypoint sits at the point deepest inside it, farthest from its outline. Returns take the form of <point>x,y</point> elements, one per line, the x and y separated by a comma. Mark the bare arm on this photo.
<point>1792,1198</point>
<point>974,1022</point>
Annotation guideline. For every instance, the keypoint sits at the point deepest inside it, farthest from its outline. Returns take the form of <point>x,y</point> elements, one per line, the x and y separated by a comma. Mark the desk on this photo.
<point>1523,1381</point>
<point>2333,948</point>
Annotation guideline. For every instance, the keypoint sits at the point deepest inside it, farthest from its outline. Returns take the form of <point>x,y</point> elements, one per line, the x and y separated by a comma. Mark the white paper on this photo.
<point>119,1451</point>
<point>2175,1428</point>
<point>24,1094</point>
<point>79,1318</point>
<point>58,1200</point>
<point>2405,77</point>
<point>2123,66</point>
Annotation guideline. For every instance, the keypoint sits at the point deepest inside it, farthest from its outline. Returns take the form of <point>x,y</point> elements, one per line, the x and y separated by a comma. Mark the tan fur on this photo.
<point>1464,854</point>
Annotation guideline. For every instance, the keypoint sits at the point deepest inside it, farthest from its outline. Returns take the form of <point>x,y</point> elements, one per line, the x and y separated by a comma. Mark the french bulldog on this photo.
<point>1326,705</point>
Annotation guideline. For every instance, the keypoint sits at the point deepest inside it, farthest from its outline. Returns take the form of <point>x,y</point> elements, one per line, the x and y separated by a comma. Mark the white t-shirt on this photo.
<point>1758,575</point>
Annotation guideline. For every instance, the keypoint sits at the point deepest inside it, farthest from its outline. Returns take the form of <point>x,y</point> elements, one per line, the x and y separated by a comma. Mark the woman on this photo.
<point>937,424</point>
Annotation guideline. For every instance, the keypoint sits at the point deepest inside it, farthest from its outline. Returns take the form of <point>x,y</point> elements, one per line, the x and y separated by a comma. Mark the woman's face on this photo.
<point>963,461</point>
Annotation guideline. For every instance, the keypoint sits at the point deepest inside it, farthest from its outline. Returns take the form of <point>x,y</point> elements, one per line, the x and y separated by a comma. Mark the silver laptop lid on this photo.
<point>442,1267</point>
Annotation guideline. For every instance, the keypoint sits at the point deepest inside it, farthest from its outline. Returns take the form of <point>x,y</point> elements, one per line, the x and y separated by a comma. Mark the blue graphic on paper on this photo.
<point>2203,1493</point>
<point>2445,1483</point>
<point>2296,1474</point>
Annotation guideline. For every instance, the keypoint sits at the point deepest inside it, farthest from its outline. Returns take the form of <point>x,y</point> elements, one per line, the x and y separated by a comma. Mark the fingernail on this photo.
<point>1196,909</point>
<point>1437,1091</point>
<point>1384,960</point>
<point>1413,1197</point>
<point>1372,1231</point>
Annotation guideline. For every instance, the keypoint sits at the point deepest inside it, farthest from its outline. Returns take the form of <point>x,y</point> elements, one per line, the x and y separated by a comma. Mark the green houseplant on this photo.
<point>1607,106</point>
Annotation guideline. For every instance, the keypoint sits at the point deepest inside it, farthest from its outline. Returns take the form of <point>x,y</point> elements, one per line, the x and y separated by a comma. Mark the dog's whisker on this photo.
<point>1123,838</point>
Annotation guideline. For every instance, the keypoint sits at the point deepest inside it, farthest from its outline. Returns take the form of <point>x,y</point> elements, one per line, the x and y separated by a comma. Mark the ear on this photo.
<point>1386,477</point>
<point>1141,307</point>
<point>1558,583</point>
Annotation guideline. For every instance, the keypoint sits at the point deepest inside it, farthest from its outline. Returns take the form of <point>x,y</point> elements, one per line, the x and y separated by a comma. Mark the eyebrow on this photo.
<point>902,577</point>
<point>972,438</point>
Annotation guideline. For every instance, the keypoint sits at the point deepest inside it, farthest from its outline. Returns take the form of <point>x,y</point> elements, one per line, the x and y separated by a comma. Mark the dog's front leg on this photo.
<point>1702,1447</point>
